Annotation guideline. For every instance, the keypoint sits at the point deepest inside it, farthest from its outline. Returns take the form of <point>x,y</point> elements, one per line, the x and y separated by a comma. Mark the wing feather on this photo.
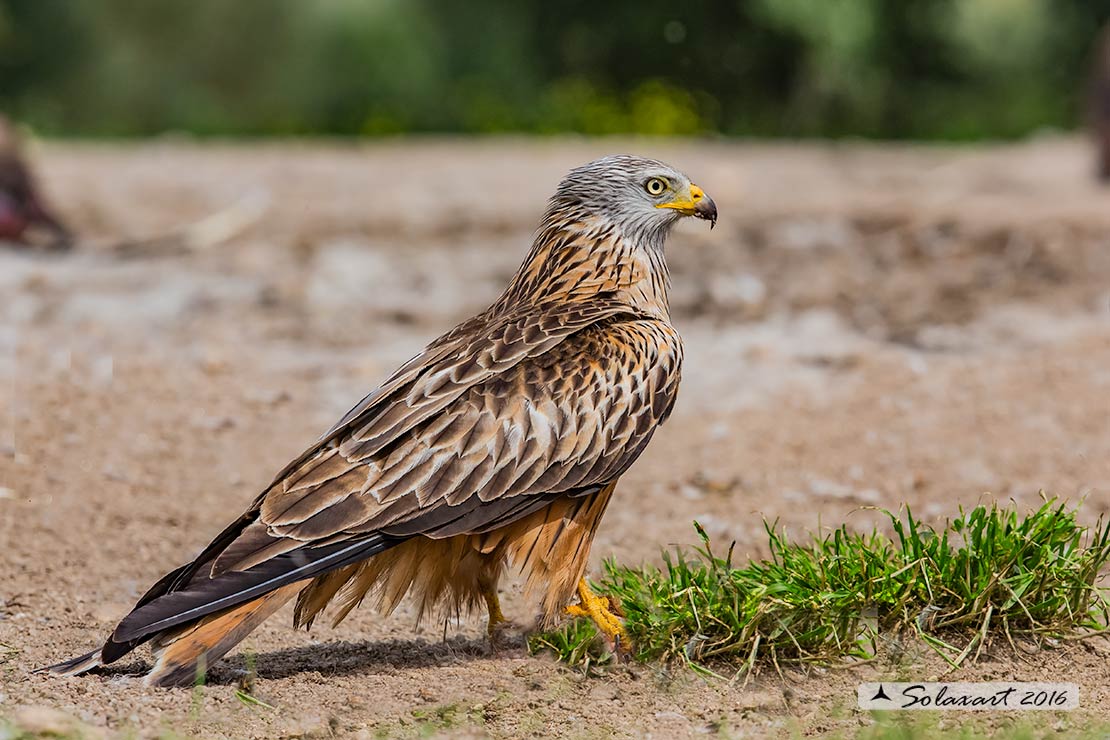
<point>492,422</point>
<point>575,416</point>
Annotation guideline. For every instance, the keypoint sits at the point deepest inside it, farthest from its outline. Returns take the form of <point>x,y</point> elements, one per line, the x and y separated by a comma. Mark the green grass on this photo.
<point>987,574</point>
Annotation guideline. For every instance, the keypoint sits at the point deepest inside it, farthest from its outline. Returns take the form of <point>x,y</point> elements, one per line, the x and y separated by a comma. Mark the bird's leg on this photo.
<point>488,589</point>
<point>603,612</point>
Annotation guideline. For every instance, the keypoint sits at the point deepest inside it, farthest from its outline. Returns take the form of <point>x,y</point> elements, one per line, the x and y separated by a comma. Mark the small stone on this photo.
<point>691,493</point>
<point>737,291</point>
<point>868,496</point>
<point>213,423</point>
<point>115,476</point>
<point>824,488</point>
<point>671,715</point>
<point>268,396</point>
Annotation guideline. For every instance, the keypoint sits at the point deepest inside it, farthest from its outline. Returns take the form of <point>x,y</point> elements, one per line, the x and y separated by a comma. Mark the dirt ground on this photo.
<point>868,326</point>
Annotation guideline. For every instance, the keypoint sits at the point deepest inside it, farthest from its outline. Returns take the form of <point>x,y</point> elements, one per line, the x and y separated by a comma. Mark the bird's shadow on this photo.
<point>343,658</point>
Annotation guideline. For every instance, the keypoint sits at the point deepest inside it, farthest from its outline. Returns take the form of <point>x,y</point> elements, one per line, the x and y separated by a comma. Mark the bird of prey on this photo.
<point>21,207</point>
<point>498,445</point>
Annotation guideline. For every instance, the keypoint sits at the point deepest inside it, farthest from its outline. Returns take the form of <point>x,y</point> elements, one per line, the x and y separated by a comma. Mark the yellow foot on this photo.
<point>493,606</point>
<point>605,613</point>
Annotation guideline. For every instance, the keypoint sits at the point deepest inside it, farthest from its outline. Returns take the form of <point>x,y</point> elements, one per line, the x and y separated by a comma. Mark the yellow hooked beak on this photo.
<point>694,203</point>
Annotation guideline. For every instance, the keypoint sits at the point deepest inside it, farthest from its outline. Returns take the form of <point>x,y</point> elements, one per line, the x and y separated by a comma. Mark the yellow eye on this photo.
<point>655,186</point>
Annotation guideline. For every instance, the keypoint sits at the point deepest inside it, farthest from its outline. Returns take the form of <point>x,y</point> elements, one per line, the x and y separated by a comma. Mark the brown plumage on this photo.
<point>21,206</point>
<point>500,444</point>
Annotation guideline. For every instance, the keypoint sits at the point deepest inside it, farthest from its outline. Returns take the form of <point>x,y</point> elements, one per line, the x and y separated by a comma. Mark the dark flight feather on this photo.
<point>208,596</point>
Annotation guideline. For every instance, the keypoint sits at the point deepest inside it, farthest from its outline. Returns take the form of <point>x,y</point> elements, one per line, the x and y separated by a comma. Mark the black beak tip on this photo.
<point>707,209</point>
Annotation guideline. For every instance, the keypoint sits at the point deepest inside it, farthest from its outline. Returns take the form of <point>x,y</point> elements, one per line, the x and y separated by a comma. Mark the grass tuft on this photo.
<point>986,574</point>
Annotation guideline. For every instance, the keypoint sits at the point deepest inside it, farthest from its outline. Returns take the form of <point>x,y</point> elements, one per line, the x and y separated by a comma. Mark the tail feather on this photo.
<point>180,654</point>
<point>75,666</point>
<point>192,617</point>
<point>205,596</point>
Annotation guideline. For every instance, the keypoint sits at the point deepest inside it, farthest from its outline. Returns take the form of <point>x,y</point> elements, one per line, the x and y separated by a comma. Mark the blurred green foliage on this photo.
<point>952,69</point>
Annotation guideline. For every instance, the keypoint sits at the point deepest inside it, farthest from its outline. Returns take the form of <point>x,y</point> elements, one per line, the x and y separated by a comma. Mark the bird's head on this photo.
<point>636,194</point>
<point>604,232</point>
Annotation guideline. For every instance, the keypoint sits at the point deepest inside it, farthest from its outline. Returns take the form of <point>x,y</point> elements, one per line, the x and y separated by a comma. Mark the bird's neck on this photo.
<point>583,258</point>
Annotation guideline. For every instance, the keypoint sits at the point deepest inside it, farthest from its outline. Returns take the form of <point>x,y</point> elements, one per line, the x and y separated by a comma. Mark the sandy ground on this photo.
<point>867,327</point>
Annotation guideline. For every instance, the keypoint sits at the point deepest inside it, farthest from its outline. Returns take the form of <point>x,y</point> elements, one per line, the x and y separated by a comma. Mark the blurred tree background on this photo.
<point>929,69</point>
